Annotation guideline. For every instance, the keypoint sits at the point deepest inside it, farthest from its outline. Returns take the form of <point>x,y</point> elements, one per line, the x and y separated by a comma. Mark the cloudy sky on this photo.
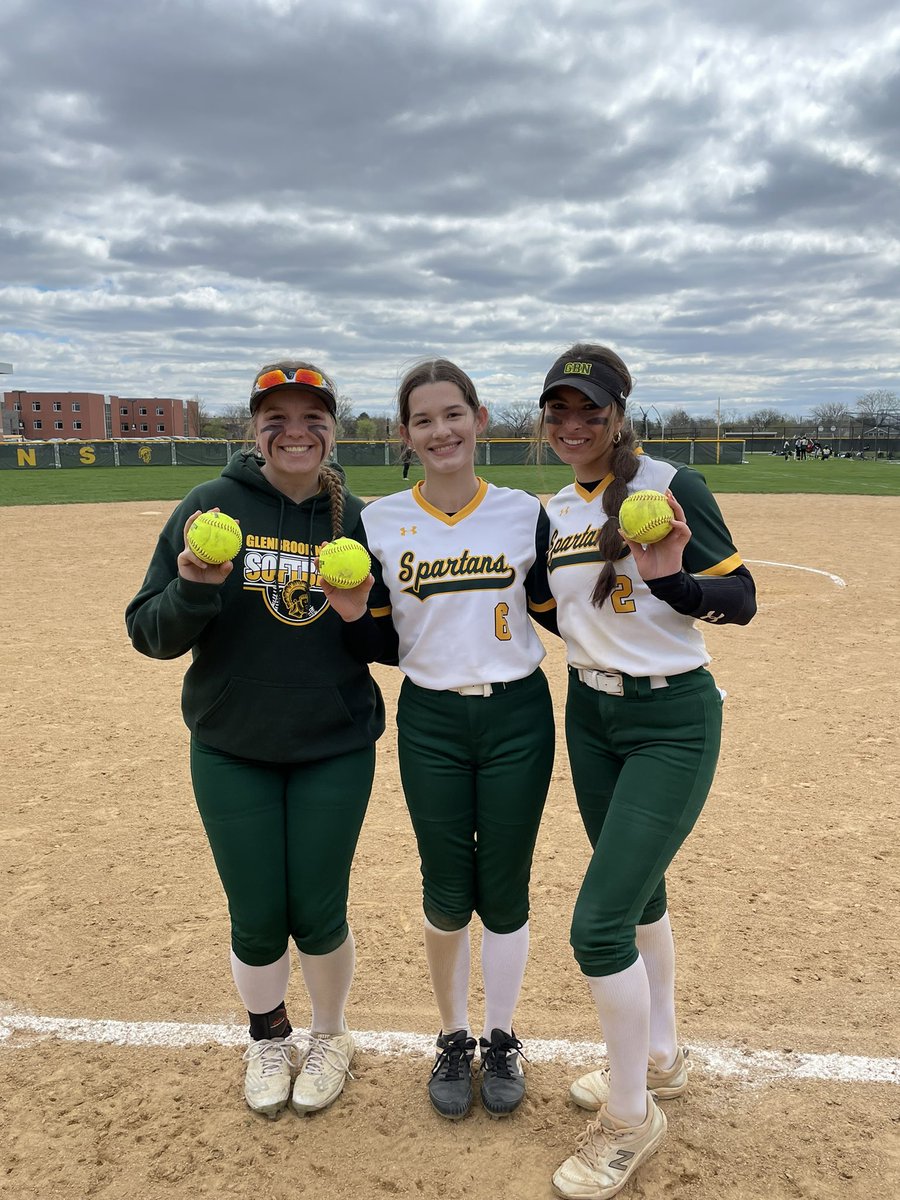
<point>191,187</point>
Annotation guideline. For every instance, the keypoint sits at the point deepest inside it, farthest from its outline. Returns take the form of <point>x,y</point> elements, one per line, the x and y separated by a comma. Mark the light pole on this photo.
<point>662,422</point>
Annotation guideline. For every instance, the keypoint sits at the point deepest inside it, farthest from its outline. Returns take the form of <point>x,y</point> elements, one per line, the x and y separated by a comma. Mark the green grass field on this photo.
<point>762,474</point>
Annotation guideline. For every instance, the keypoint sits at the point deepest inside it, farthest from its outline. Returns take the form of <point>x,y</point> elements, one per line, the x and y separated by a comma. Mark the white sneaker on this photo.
<point>592,1090</point>
<point>608,1154</point>
<point>324,1072</point>
<point>267,1083</point>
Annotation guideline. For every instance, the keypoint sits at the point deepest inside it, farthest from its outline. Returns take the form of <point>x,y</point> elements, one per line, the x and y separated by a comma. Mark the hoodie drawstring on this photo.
<point>278,588</point>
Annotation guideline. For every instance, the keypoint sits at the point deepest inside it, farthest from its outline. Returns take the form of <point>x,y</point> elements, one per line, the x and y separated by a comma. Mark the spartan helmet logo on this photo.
<point>144,454</point>
<point>296,596</point>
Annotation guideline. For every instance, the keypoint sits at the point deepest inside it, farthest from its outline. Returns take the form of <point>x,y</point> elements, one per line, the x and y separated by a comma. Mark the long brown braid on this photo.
<point>334,485</point>
<point>623,468</point>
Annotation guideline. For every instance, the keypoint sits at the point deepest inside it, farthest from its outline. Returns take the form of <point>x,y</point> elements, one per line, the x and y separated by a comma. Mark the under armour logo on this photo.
<point>712,616</point>
<point>404,531</point>
<point>622,1159</point>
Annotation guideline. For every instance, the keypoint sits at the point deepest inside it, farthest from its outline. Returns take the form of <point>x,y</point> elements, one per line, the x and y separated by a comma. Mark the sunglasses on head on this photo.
<point>271,379</point>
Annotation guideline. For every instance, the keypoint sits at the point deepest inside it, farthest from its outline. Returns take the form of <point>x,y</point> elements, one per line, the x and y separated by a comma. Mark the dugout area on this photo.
<point>783,901</point>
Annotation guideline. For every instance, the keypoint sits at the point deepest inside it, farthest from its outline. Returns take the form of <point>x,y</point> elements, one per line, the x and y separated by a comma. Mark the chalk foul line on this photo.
<point>18,1030</point>
<point>763,562</point>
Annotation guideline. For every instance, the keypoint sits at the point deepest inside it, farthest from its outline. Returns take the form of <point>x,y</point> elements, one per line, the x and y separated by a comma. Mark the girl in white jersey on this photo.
<point>643,722</point>
<point>458,564</point>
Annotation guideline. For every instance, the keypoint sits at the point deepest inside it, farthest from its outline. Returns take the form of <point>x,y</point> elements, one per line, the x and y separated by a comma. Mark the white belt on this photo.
<point>474,689</point>
<point>612,683</point>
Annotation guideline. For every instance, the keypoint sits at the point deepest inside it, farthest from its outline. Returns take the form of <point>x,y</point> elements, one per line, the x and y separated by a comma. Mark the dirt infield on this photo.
<point>784,903</point>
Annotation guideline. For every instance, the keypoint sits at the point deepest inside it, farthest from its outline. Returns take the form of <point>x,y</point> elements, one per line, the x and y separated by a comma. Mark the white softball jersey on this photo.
<point>458,588</point>
<point>632,631</point>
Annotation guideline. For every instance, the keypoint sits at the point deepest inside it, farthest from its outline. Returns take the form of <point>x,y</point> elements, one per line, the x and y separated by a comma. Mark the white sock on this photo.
<point>262,988</point>
<point>623,1002</point>
<point>503,959</point>
<point>657,949</point>
<point>328,978</point>
<point>448,956</point>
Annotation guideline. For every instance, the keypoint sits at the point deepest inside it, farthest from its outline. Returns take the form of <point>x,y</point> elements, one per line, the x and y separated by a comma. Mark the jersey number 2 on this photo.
<point>502,631</point>
<point>620,596</point>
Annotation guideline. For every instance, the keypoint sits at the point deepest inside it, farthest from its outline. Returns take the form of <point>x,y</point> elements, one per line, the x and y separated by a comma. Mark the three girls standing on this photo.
<point>459,564</point>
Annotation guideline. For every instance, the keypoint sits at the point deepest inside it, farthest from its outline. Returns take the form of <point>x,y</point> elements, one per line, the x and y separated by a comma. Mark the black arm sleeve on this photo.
<point>720,599</point>
<point>547,620</point>
<point>541,605</point>
<point>372,639</point>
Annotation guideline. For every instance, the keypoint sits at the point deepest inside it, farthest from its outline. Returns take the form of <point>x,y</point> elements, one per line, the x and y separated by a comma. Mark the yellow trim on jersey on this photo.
<point>381,612</point>
<point>416,493</point>
<point>601,486</point>
<point>725,567</point>
<point>547,606</point>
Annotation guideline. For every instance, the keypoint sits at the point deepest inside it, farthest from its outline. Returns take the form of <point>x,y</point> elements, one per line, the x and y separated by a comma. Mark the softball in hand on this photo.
<point>214,538</point>
<point>344,563</point>
<point>646,517</point>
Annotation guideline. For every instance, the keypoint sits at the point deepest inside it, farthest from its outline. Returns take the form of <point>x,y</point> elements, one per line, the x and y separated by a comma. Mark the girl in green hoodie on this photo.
<point>283,722</point>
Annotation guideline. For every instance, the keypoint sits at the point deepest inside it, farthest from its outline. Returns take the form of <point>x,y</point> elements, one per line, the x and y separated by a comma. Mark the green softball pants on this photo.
<point>475,771</point>
<point>283,838</point>
<point>642,765</point>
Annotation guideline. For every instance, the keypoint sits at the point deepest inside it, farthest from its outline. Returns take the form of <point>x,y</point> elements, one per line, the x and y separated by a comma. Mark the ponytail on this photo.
<point>624,467</point>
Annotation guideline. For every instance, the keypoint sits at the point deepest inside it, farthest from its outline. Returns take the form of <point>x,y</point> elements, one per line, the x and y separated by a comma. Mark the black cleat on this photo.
<point>502,1081</point>
<point>450,1085</point>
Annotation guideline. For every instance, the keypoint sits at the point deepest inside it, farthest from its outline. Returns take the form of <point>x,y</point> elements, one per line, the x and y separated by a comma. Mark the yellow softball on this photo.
<point>344,563</point>
<point>646,517</point>
<point>215,538</point>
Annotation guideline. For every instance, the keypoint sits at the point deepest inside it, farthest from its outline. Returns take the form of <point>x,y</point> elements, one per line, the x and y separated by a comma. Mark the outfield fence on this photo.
<point>183,452</point>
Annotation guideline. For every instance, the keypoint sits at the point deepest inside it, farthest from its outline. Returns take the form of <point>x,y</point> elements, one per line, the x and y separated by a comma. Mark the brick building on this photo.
<point>142,417</point>
<point>93,416</point>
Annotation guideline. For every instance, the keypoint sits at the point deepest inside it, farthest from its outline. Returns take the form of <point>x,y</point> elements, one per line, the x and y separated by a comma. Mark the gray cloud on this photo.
<point>189,188</point>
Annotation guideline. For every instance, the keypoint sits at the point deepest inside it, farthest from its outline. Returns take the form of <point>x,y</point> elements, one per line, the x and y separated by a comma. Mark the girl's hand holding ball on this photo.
<point>656,559</point>
<point>344,576</point>
<point>211,541</point>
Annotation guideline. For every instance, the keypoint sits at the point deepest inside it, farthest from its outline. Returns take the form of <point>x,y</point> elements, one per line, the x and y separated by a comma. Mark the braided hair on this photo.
<point>623,468</point>
<point>333,484</point>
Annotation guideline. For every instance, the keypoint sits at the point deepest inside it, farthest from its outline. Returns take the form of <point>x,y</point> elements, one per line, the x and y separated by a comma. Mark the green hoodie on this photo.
<point>271,678</point>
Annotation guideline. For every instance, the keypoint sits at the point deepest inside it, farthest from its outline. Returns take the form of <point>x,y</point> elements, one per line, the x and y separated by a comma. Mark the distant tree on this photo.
<point>516,420</point>
<point>494,427</point>
<point>878,409</point>
<point>215,427</point>
<point>209,424</point>
<point>766,418</point>
<point>204,417</point>
<point>235,420</point>
<point>678,421</point>
<point>833,412</point>
<point>365,427</point>
<point>346,424</point>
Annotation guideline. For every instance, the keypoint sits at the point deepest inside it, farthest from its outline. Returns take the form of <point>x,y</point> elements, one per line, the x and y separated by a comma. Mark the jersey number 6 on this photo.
<point>502,631</point>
